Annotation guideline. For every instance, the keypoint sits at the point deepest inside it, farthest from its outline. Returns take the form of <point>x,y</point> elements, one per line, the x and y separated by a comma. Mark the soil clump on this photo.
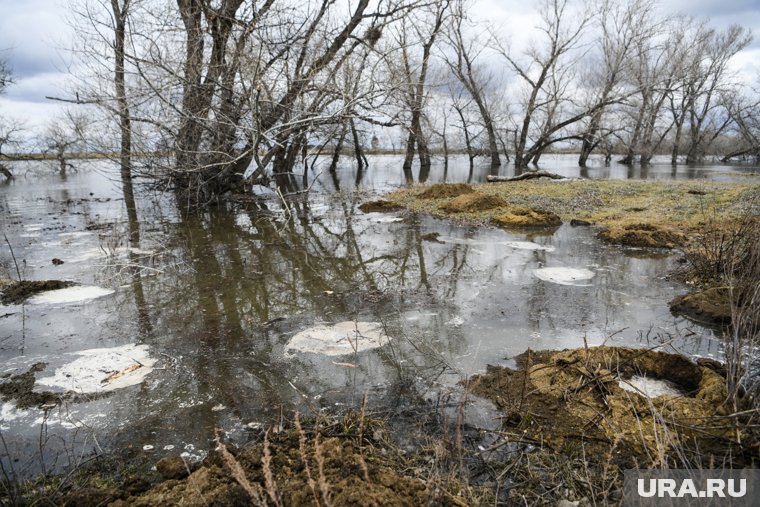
<point>710,307</point>
<point>380,206</point>
<point>528,217</point>
<point>571,401</point>
<point>18,292</point>
<point>18,388</point>
<point>472,202</point>
<point>445,191</point>
<point>643,236</point>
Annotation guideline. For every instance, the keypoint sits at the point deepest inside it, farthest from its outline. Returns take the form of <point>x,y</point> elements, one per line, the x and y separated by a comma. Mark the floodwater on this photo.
<point>214,299</point>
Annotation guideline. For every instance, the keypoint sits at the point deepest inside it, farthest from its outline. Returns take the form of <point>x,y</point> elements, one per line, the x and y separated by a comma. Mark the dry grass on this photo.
<point>680,204</point>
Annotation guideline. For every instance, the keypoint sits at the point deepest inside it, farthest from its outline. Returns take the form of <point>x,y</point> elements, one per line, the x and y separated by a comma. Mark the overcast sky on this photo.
<point>31,32</point>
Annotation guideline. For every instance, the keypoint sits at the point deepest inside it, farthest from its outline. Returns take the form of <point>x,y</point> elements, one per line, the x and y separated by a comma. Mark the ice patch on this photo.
<point>8,413</point>
<point>518,245</point>
<point>388,220</point>
<point>70,295</point>
<point>344,338</point>
<point>455,322</point>
<point>650,387</point>
<point>76,234</point>
<point>563,276</point>
<point>528,245</point>
<point>100,370</point>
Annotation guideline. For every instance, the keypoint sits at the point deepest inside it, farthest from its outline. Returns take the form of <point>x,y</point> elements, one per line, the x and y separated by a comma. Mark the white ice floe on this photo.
<point>518,245</point>
<point>75,234</point>
<point>99,370</point>
<point>70,295</point>
<point>341,339</point>
<point>388,220</point>
<point>564,276</point>
<point>9,413</point>
<point>650,387</point>
<point>528,245</point>
<point>455,322</point>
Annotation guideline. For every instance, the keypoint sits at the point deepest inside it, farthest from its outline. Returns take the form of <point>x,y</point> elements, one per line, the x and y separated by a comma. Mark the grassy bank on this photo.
<point>684,205</point>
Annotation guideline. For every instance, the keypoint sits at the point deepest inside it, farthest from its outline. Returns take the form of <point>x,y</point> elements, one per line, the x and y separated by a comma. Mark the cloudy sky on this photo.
<point>33,31</point>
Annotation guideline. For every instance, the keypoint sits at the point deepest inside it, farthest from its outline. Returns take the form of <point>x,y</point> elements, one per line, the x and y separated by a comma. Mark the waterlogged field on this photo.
<point>230,318</point>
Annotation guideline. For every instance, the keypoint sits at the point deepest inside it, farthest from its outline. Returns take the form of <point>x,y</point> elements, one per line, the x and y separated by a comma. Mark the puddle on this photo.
<point>102,370</point>
<point>74,294</point>
<point>564,276</point>
<point>341,339</point>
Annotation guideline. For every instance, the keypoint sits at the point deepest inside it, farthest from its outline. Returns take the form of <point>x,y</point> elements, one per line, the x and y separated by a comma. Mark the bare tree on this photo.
<point>473,77</point>
<point>745,116</point>
<point>63,135</point>
<point>622,26</point>
<point>417,32</point>
<point>546,73</point>
<point>6,74</point>
<point>706,89</point>
<point>10,136</point>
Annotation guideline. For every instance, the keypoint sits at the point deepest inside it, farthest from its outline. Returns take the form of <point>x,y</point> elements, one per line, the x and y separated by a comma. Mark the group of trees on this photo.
<point>218,91</point>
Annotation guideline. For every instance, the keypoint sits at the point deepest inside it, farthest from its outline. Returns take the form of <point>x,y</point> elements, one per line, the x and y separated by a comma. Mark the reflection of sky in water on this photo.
<point>218,296</point>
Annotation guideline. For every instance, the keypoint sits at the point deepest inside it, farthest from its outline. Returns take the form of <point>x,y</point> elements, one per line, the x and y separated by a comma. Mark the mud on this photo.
<point>379,206</point>
<point>329,466</point>
<point>571,401</point>
<point>643,236</point>
<point>710,307</point>
<point>18,292</point>
<point>18,388</point>
<point>445,191</point>
<point>472,202</point>
<point>528,217</point>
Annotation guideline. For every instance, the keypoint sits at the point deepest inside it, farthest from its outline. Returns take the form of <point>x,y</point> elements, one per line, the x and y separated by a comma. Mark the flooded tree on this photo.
<point>546,72</point>
<point>415,36</point>
<point>621,27</point>
<point>463,63</point>
<point>63,135</point>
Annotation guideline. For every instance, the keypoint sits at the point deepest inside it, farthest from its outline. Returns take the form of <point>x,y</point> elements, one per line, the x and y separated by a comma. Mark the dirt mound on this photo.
<point>297,470</point>
<point>711,307</point>
<point>379,206</point>
<point>445,191</point>
<point>575,399</point>
<point>528,217</point>
<point>471,202</point>
<point>19,292</point>
<point>19,387</point>
<point>643,235</point>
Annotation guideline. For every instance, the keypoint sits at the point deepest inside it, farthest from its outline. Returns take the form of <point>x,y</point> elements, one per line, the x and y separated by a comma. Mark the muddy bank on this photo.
<point>18,292</point>
<point>345,462</point>
<point>587,400</point>
<point>709,307</point>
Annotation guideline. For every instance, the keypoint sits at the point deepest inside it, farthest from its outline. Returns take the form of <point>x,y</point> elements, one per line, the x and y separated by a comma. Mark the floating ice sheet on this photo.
<point>564,276</point>
<point>99,370</point>
<point>650,387</point>
<point>388,220</point>
<point>70,295</point>
<point>341,339</point>
<point>518,245</point>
